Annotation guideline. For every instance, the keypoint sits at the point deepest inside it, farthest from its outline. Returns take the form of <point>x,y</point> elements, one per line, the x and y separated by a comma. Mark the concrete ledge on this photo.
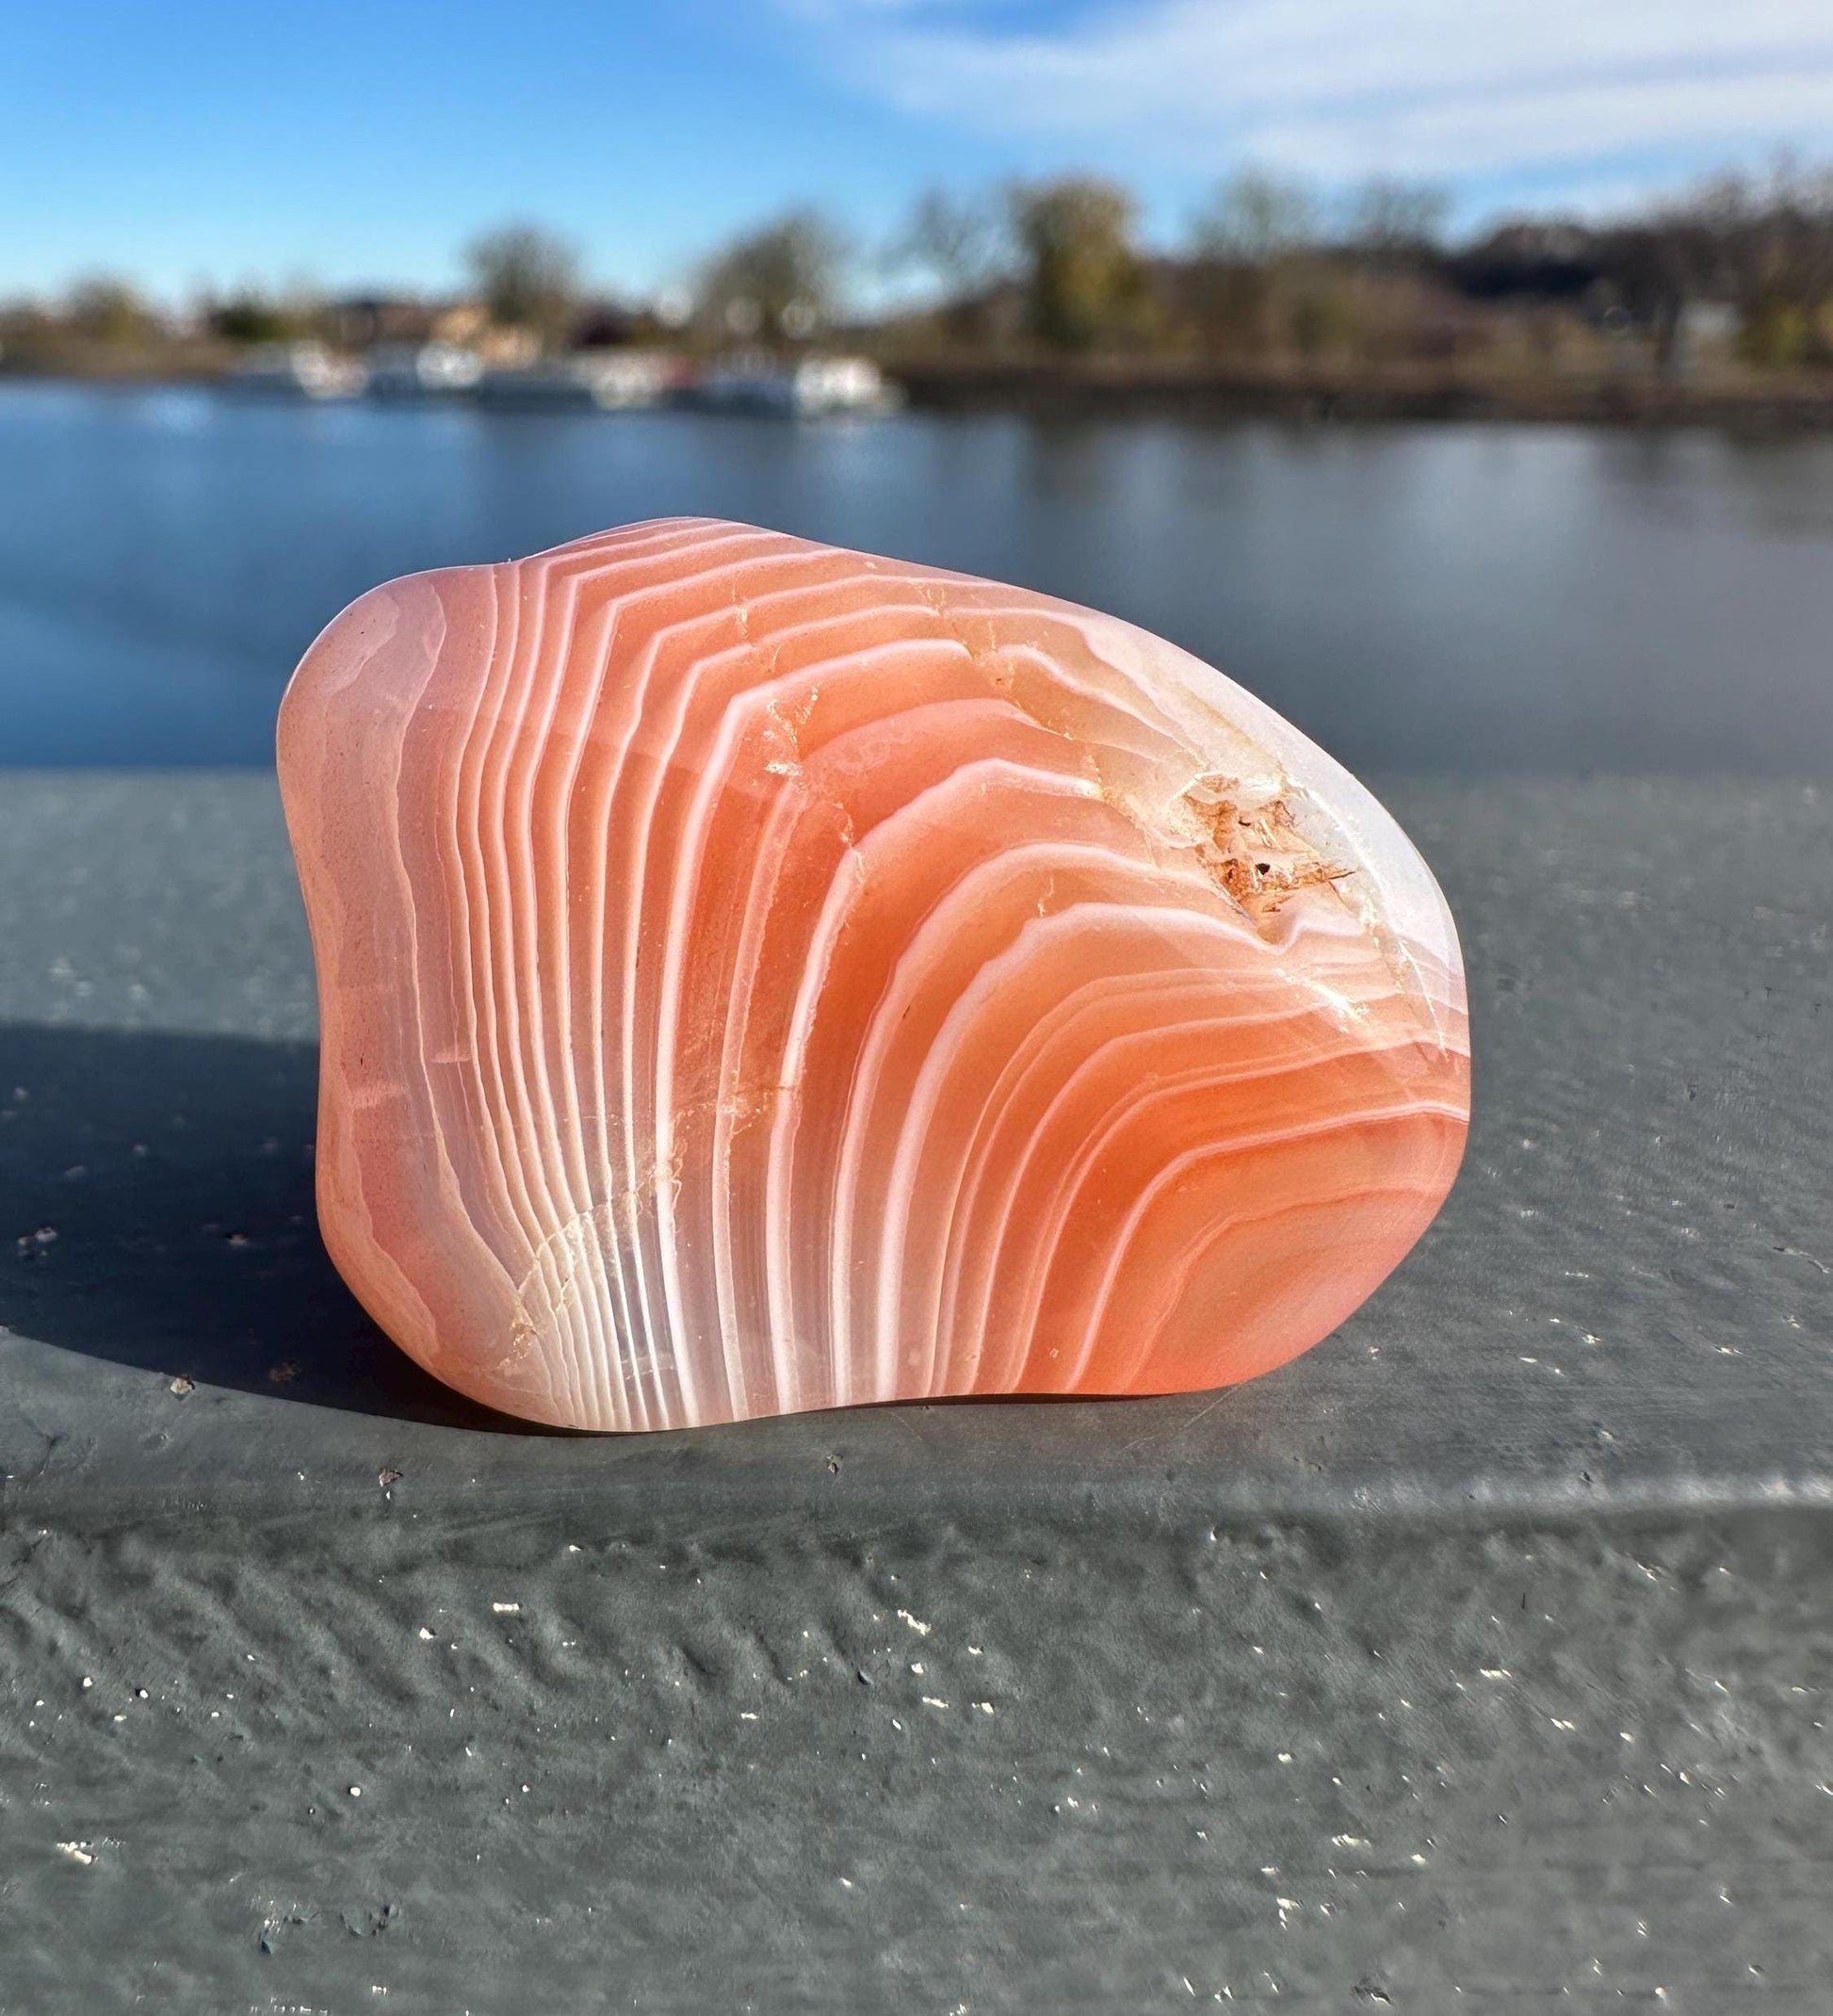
<point>1478,1658</point>
<point>1625,1306</point>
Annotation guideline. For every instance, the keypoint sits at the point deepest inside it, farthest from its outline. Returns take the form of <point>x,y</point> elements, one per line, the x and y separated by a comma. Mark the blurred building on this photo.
<point>360,321</point>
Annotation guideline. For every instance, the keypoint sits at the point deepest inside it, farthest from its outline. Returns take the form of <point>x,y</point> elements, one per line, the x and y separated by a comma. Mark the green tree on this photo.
<point>1085,281</point>
<point>251,318</point>
<point>108,311</point>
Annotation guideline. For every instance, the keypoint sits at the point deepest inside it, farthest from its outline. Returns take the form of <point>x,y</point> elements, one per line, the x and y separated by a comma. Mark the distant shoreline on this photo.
<point>1205,390</point>
<point>1183,389</point>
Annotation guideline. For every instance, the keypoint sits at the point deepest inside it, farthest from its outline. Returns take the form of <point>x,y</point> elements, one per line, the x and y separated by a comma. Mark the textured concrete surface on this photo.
<point>1477,1659</point>
<point>1020,1763</point>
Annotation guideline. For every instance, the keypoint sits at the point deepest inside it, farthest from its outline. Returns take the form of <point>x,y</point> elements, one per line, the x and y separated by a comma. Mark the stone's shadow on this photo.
<point>156,1210</point>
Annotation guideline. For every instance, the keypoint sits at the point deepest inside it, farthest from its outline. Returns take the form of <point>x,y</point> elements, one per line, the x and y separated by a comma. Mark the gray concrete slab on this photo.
<point>1625,1303</point>
<point>1476,1660</point>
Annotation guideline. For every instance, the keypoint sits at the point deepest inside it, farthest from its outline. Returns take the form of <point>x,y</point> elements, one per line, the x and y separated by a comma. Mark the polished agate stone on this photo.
<point>755,976</point>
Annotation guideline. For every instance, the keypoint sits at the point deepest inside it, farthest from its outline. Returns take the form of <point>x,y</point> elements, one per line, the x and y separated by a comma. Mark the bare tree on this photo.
<point>957,241</point>
<point>1254,229</point>
<point>1763,247</point>
<point>1255,219</point>
<point>1394,221</point>
<point>529,279</point>
<point>961,244</point>
<point>781,282</point>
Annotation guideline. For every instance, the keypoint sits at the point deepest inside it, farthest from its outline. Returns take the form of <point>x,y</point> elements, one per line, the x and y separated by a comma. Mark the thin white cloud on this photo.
<point>1449,88</point>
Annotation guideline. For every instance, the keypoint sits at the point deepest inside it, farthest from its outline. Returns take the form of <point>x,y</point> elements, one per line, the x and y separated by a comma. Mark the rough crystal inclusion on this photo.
<point>755,976</point>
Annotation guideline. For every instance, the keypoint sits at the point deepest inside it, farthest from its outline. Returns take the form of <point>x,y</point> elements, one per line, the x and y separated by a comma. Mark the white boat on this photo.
<point>842,385</point>
<point>632,378</point>
<point>422,370</point>
<point>300,370</point>
<point>814,386</point>
<point>609,381</point>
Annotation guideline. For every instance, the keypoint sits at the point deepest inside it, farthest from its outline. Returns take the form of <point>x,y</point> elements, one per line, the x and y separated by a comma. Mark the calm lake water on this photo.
<point>1418,597</point>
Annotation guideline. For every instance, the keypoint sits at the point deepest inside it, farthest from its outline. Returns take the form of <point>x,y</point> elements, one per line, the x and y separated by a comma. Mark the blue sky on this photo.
<point>347,143</point>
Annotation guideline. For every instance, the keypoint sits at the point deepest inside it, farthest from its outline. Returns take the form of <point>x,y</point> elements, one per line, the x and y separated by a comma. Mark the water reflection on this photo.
<point>1418,596</point>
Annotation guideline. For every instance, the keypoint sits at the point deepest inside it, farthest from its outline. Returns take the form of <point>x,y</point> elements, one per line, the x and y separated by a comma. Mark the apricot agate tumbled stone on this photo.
<point>758,977</point>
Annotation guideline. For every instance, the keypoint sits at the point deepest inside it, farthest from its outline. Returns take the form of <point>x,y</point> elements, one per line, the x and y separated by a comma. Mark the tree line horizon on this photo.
<point>1270,267</point>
